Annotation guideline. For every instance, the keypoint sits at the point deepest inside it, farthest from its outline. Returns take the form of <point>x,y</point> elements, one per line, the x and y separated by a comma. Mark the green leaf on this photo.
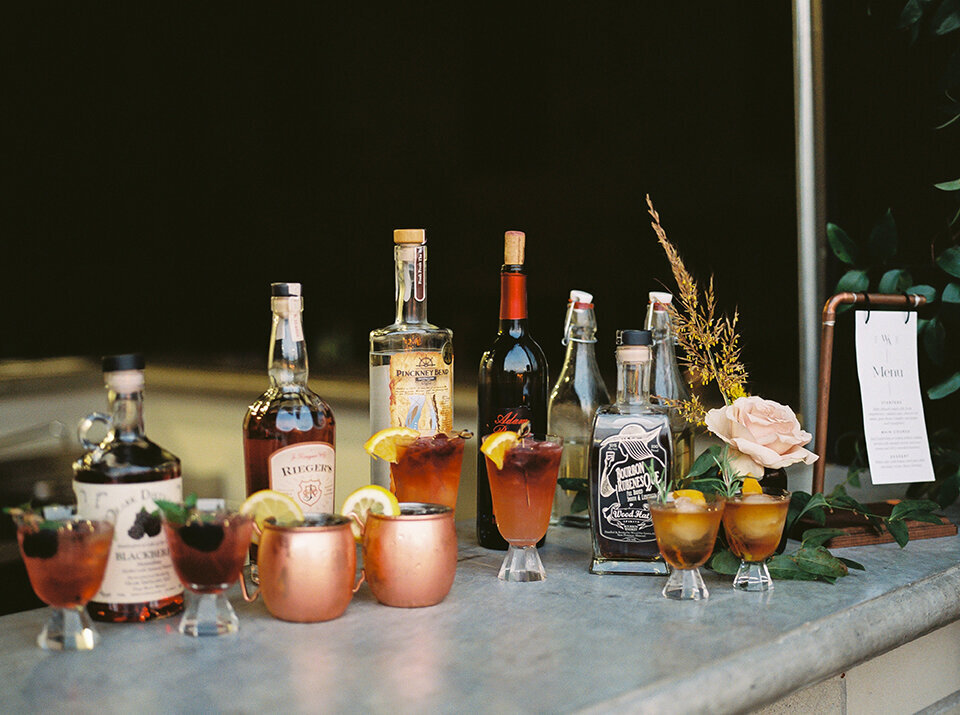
<point>948,185</point>
<point>898,530</point>
<point>802,504</point>
<point>854,281</point>
<point>843,246</point>
<point>724,562</point>
<point>851,564</point>
<point>818,537</point>
<point>174,512</point>
<point>817,560</point>
<point>928,292</point>
<point>949,261</point>
<point>706,461</point>
<point>573,484</point>
<point>783,567</point>
<point>947,387</point>
<point>934,339</point>
<point>895,281</point>
<point>947,17</point>
<point>949,490</point>
<point>579,503</point>
<point>883,238</point>
<point>951,294</point>
<point>911,14</point>
<point>907,508</point>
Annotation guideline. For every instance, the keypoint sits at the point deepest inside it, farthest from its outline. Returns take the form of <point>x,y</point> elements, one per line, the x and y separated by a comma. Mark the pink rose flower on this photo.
<point>762,433</point>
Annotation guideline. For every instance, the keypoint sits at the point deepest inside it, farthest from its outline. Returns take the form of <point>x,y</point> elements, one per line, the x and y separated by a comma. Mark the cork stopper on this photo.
<point>409,236</point>
<point>513,243</point>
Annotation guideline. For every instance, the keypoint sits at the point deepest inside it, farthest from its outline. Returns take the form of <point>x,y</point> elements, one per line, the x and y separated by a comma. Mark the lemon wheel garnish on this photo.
<point>497,445</point>
<point>266,503</point>
<point>384,444</point>
<point>693,495</point>
<point>366,499</point>
<point>751,486</point>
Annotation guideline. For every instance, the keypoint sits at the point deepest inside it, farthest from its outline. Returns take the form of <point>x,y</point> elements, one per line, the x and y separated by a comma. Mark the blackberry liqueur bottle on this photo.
<point>289,433</point>
<point>513,382</point>
<point>573,401</point>
<point>666,380</point>
<point>122,475</point>
<point>411,360</point>
<point>629,438</point>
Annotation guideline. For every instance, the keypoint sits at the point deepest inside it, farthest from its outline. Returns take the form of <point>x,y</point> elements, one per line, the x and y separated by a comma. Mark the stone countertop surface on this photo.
<point>575,642</point>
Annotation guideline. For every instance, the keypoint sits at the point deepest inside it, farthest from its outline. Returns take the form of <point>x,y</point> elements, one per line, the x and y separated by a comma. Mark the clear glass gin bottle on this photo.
<point>575,397</point>
<point>667,382</point>
<point>411,361</point>
<point>629,439</point>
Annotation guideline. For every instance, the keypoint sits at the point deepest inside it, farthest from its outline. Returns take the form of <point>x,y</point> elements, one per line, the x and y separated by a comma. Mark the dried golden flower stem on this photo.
<point>709,344</point>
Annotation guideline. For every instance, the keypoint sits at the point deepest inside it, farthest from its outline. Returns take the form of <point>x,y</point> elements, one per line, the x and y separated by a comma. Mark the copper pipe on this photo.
<point>870,300</point>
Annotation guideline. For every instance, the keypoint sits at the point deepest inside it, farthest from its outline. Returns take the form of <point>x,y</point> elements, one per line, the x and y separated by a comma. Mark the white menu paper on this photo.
<point>893,421</point>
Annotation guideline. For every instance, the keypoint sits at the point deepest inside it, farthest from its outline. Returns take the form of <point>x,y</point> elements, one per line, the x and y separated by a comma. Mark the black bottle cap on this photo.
<point>284,290</point>
<point>129,361</point>
<point>634,337</point>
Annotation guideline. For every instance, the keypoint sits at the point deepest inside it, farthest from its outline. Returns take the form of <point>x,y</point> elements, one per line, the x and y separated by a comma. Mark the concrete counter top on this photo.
<point>574,642</point>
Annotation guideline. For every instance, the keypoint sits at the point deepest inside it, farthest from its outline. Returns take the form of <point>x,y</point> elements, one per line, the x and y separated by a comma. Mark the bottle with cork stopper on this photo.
<point>411,360</point>
<point>513,382</point>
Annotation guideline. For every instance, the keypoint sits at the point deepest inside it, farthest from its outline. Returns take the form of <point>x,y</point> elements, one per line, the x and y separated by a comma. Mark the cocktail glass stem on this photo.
<point>68,629</point>
<point>753,576</point>
<point>522,563</point>
<point>207,614</point>
<point>685,585</point>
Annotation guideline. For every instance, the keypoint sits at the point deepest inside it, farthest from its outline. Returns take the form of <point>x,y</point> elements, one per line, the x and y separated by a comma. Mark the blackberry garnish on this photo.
<point>41,544</point>
<point>202,537</point>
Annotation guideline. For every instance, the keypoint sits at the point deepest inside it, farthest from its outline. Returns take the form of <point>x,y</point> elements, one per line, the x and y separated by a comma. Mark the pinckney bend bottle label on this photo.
<point>420,387</point>
<point>625,483</point>
<point>139,569</point>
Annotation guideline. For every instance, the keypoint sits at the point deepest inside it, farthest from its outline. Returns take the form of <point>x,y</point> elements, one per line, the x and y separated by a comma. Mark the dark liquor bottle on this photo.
<point>289,432</point>
<point>629,438</point>
<point>122,475</point>
<point>513,383</point>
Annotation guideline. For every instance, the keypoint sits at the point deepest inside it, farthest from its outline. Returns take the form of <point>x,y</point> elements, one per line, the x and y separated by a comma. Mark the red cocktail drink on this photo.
<point>428,469</point>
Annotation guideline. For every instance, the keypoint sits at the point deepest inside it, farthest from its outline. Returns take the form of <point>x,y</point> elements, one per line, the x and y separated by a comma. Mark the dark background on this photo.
<point>165,163</point>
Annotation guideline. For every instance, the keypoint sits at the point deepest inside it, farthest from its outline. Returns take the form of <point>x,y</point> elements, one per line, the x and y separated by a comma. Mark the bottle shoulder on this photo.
<point>411,338</point>
<point>138,460</point>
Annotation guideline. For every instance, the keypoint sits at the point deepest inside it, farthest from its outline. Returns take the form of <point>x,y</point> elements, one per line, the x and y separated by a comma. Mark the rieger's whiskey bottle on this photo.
<point>630,438</point>
<point>513,383</point>
<point>289,433</point>
<point>411,361</point>
<point>121,476</point>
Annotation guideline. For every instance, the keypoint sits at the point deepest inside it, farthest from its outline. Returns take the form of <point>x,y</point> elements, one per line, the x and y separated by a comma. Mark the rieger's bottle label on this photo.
<point>139,569</point>
<point>305,472</point>
<point>625,483</point>
<point>421,390</point>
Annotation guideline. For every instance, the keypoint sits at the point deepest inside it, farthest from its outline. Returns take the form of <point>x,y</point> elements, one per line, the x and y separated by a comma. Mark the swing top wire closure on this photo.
<point>868,301</point>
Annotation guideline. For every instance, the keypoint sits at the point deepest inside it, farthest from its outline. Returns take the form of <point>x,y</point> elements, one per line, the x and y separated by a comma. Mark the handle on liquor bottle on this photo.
<point>86,423</point>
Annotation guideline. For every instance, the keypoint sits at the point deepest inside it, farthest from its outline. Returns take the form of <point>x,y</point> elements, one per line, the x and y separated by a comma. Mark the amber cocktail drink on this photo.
<point>522,491</point>
<point>65,559</point>
<point>428,469</point>
<point>208,545</point>
<point>686,530</point>
<point>754,524</point>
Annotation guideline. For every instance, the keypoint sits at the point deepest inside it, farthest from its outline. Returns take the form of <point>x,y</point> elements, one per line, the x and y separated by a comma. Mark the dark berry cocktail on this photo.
<point>428,469</point>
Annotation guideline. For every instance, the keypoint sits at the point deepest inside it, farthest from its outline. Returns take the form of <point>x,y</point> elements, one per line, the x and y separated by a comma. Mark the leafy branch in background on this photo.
<point>875,265</point>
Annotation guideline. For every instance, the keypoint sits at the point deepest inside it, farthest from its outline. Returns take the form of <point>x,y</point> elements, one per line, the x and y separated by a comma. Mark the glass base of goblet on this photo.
<point>753,576</point>
<point>685,585</point>
<point>68,629</point>
<point>207,614</point>
<point>522,563</point>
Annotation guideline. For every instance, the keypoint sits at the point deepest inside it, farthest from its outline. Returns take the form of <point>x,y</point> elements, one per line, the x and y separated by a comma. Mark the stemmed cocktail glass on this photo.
<point>522,488</point>
<point>208,544</point>
<point>686,529</point>
<point>754,524</point>
<point>66,558</point>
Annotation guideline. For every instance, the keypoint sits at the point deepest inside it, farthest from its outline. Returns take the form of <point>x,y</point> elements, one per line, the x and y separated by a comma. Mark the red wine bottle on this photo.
<point>513,383</point>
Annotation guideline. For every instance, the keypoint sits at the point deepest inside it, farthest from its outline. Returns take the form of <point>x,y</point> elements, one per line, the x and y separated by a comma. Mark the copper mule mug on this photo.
<point>307,570</point>
<point>410,560</point>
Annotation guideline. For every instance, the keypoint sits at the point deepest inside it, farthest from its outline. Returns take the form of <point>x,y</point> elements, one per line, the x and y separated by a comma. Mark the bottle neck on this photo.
<point>411,283</point>
<point>287,360</point>
<point>633,382</point>
<point>513,300</point>
<point>126,414</point>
